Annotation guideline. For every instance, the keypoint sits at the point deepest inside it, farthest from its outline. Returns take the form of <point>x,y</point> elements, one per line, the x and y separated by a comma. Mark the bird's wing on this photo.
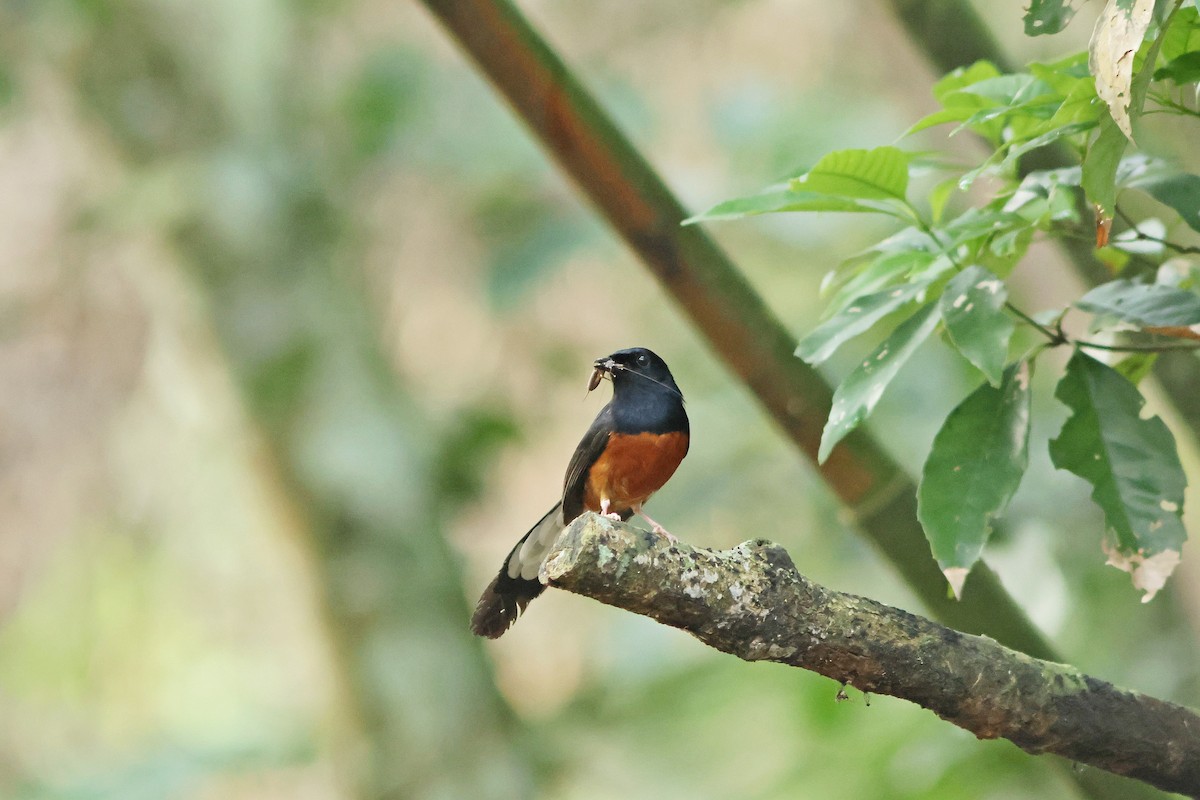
<point>590,447</point>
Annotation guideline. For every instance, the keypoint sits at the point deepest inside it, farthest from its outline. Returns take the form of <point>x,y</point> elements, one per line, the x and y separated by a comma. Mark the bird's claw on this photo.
<point>661,531</point>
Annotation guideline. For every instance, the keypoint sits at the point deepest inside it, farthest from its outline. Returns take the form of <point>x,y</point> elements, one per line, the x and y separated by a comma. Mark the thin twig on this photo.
<point>1178,248</point>
<point>1137,348</point>
<point>1055,335</point>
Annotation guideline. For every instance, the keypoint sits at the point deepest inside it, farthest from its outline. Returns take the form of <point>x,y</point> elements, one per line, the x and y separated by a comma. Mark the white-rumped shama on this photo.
<point>632,449</point>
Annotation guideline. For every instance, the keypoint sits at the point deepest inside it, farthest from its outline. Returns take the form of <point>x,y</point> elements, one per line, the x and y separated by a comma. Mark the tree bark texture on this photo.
<point>752,602</point>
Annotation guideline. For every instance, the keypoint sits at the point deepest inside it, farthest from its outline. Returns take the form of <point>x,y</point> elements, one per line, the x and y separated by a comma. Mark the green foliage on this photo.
<point>879,174</point>
<point>973,310</point>
<point>973,470</point>
<point>856,397</point>
<point>1131,462</point>
<point>1143,304</point>
<point>1181,49</point>
<point>856,318</point>
<point>948,267</point>
<point>845,180</point>
<point>1099,179</point>
<point>1047,16</point>
<point>1179,191</point>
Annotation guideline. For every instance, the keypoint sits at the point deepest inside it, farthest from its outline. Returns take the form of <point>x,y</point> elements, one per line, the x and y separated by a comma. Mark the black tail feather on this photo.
<point>502,602</point>
<point>506,596</point>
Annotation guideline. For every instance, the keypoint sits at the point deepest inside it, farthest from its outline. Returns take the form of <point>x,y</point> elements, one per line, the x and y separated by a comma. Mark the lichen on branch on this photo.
<point>752,602</point>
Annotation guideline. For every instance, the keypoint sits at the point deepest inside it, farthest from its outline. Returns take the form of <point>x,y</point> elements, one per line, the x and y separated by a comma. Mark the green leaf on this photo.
<point>1049,137</point>
<point>1065,73</point>
<point>1047,16</point>
<point>857,396</point>
<point>1182,36</point>
<point>939,195</point>
<point>873,181</point>
<point>886,263</point>
<point>854,319</point>
<point>1017,105</point>
<point>972,307</point>
<point>884,269</point>
<point>1183,70</point>
<point>1179,190</point>
<point>1099,178</point>
<point>958,105</point>
<point>777,200</point>
<point>1004,251</point>
<point>1144,304</point>
<point>962,77</point>
<point>959,112</point>
<point>1080,104</point>
<point>1114,258</point>
<point>973,469</point>
<point>879,174</point>
<point>1136,366</point>
<point>975,225</point>
<point>1010,90</point>
<point>1046,198</point>
<point>1132,465</point>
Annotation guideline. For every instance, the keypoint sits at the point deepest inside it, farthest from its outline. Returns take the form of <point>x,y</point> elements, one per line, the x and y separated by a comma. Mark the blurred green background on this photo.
<point>295,325</point>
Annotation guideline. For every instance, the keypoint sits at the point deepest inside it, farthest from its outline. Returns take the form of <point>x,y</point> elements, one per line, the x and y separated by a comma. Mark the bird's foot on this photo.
<point>606,504</point>
<point>661,531</point>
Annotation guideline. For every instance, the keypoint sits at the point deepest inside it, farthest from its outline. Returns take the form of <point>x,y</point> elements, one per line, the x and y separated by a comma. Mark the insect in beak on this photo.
<point>601,368</point>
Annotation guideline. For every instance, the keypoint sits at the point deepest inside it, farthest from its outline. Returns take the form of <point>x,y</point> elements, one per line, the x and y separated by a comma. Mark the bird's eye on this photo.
<point>643,360</point>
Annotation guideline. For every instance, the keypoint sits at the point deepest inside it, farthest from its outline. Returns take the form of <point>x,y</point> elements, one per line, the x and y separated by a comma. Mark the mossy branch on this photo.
<point>751,601</point>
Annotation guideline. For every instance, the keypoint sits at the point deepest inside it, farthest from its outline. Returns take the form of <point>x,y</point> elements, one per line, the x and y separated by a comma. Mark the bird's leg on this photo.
<point>604,505</point>
<point>654,526</point>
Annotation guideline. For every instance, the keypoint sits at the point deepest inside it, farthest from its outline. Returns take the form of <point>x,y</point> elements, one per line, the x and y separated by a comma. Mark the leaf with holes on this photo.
<point>1115,41</point>
<point>973,310</point>
<point>973,469</point>
<point>1132,465</point>
<point>857,396</point>
<point>1045,17</point>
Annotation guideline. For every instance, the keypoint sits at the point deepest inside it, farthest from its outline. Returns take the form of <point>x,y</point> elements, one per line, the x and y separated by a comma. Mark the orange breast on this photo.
<point>633,467</point>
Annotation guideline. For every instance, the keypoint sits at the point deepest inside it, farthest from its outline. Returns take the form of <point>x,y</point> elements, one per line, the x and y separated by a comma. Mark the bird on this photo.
<point>631,450</point>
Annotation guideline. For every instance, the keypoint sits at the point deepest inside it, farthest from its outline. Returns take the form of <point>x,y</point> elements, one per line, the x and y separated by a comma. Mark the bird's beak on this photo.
<point>601,368</point>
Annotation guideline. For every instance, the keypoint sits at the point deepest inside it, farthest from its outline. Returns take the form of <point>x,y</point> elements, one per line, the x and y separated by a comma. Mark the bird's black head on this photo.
<point>636,369</point>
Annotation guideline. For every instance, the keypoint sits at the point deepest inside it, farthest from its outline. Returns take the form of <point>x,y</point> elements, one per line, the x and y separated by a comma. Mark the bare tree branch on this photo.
<point>752,602</point>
